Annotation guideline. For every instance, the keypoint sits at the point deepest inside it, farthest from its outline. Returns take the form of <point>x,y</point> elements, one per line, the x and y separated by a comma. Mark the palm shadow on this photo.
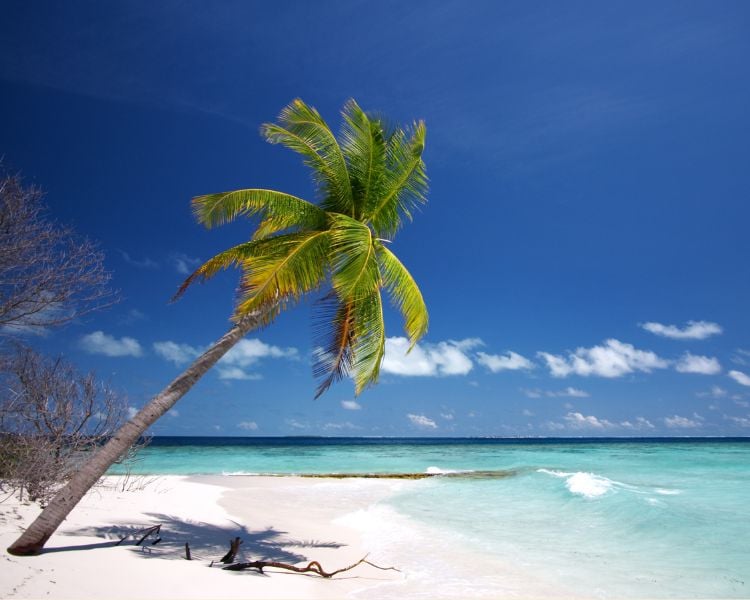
<point>208,541</point>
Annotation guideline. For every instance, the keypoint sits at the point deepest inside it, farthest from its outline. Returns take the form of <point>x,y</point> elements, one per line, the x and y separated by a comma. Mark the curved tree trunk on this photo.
<point>33,539</point>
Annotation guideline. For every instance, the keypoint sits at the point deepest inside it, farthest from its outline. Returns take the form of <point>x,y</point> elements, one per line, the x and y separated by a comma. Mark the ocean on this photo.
<point>608,518</point>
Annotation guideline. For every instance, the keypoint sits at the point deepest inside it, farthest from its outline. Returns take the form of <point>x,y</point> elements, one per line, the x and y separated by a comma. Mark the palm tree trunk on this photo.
<point>33,539</point>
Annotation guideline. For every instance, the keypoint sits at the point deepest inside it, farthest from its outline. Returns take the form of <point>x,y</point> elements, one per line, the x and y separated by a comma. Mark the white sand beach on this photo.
<point>292,520</point>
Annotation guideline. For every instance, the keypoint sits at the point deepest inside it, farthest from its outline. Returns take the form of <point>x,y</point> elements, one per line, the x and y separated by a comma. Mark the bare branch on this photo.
<point>48,274</point>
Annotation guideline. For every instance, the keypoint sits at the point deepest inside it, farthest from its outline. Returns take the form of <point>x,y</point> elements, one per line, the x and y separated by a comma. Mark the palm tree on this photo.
<point>368,181</point>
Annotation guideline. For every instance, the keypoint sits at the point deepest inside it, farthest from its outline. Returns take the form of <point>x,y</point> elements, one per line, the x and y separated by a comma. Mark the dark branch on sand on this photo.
<point>311,567</point>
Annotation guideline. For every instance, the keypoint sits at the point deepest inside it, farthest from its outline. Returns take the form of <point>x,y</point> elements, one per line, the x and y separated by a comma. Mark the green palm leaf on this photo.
<point>405,294</point>
<point>334,327</point>
<point>292,265</point>
<point>302,129</point>
<point>279,211</point>
<point>368,340</point>
<point>363,144</point>
<point>406,182</point>
<point>355,270</point>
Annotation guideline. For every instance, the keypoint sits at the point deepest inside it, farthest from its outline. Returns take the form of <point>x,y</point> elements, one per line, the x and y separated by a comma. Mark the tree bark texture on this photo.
<point>33,539</point>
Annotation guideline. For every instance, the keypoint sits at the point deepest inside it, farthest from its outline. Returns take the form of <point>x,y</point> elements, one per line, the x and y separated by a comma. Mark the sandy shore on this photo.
<point>293,520</point>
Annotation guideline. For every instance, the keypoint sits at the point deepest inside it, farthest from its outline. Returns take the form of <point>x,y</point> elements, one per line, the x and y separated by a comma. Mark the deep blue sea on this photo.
<point>636,518</point>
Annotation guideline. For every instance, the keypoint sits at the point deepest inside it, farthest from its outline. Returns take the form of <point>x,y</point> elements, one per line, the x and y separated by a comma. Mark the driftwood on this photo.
<point>154,530</point>
<point>234,547</point>
<point>312,567</point>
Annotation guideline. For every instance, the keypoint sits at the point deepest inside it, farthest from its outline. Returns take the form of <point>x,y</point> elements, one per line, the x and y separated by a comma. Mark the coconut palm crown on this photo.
<point>369,181</point>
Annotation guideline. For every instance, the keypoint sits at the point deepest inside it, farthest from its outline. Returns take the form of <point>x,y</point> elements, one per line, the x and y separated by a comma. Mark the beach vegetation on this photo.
<point>368,181</point>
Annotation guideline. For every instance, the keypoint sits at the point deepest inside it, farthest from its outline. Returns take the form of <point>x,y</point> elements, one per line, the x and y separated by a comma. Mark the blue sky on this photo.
<point>584,252</point>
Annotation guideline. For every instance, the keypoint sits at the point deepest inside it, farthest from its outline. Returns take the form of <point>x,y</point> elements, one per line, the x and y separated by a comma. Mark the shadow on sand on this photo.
<point>207,541</point>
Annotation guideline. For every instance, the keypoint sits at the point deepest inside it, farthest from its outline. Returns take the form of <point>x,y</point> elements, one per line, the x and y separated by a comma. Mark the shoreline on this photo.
<point>291,519</point>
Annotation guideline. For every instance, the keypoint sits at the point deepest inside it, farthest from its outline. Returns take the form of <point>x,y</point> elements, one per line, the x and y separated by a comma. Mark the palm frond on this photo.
<point>334,328</point>
<point>405,294</point>
<point>405,186</point>
<point>355,269</point>
<point>232,257</point>
<point>302,129</point>
<point>279,211</point>
<point>368,340</point>
<point>363,144</point>
<point>290,266</point>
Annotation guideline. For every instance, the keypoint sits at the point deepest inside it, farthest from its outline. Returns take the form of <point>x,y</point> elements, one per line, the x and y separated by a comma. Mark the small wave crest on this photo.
<point>439,471</point>
<point>588,485</point>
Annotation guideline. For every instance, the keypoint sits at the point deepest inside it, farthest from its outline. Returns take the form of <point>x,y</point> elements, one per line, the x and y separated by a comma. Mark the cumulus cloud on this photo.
<point>422,421</point>
<point>247,352</point>
<point>640,423</point>
<point>703,365</point>
<point>740,377</point>
<point>428,360</point>
<point>351,405</point>
<point>173,413</point>
<point>509,362</point>
<point>248,425</point>
<point>179,354</point>
<point>693,330</point>
<point>612,359</point>
<point>576,420</point>
<point>579,421</point>
<point>99,342</point>
<point>678,422</point>
<point>233,365</point>
<point>132,411</point>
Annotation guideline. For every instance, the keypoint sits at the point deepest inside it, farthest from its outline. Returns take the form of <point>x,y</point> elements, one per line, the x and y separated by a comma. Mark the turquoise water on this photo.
<point>637,519</point>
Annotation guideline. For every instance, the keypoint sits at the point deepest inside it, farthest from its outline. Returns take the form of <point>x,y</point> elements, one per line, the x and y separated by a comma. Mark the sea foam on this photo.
<point>584,484</point>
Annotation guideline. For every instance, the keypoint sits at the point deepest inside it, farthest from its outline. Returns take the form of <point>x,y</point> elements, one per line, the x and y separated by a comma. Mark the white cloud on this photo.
<point>173,413</point>
<point>233,364</point>
<point>236,373</point>
<point>510,362</point>
<point>248,425</point>
<point>576,420</point>
<point>612,359</point>
<point>579,421</point>
<point>248,352</point>
<point>740,377</point>
<point>183,263</point>
<point>678,422</point>
<point>132,411</point>
<point>741,421</point>
<point>422,421</point>
<point>179,354</point>
<point>99,342</point>
<point>742,357</point>
<point>568,392</point>
<point>447,416</point>
<point>428,360</point>
<point>703,365</point>
<point>527,413</point>
<point>714,392</point>
<point>340,426</point>
<point>351,405</point>
<point>146,263</point>
<point>639,423</point>
<point>693,330</point>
